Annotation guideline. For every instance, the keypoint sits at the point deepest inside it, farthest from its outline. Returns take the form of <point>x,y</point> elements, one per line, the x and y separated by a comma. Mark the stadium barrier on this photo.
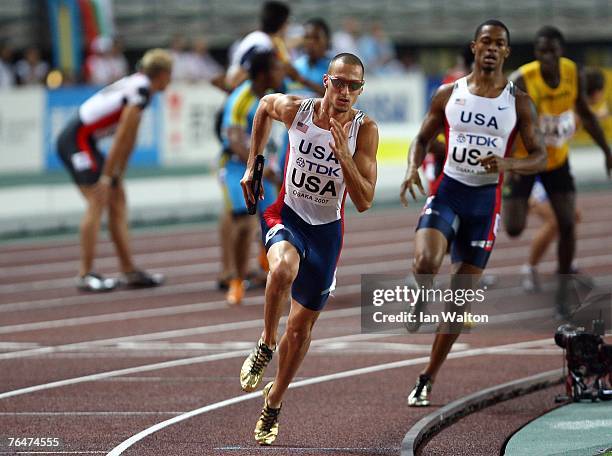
<point>178,128</point>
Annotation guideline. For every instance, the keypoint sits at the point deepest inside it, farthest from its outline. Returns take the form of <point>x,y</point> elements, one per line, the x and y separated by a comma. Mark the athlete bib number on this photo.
<point>557,130</point>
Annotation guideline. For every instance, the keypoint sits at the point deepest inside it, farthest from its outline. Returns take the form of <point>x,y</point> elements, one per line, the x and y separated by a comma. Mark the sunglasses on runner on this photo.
<point>340,83</point>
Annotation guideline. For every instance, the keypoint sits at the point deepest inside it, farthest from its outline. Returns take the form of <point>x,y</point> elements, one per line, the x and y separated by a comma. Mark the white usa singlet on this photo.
<point>476,127</point>
<point>314,183</point>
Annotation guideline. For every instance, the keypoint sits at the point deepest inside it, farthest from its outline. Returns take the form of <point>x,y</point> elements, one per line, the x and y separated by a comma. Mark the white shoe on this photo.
<point>96,283</point>
<point>531,279</point>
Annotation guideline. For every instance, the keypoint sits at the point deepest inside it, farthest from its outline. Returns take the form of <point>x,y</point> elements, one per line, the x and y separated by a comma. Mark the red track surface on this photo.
<point>49,332</point>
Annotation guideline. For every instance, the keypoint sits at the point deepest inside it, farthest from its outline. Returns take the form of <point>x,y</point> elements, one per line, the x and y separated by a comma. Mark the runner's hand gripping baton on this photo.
<point>256,184</point>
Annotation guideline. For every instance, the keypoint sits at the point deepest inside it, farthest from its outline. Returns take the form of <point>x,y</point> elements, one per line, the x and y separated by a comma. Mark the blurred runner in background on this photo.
<point>117,107</point>
<point>236,227</point>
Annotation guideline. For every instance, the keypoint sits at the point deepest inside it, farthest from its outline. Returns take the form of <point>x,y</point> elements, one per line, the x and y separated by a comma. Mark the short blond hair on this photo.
<point>155,61</point>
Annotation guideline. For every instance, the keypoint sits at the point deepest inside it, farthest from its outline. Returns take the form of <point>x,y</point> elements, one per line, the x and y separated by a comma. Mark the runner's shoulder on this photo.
<point>442,94</point>
<point>368,124</point>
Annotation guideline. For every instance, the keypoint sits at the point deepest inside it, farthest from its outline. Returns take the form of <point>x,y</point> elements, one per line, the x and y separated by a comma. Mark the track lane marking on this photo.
<point>165,365</point>
<point>343,271</point>
<point>211,266</point>
<point>372,268</point>
<point>208,266</point>
<point>135,413</point>
<point>168,334</point>
<point>119,449</point>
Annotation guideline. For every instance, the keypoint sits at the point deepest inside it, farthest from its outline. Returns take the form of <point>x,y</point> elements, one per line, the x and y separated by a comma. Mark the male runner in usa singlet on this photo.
<point>480,115</point>
<point>332,152</point>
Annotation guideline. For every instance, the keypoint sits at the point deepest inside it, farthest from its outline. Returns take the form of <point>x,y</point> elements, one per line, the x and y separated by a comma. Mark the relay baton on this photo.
<point>256,184</point>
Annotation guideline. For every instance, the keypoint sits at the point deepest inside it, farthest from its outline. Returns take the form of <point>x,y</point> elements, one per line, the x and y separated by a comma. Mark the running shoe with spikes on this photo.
<point>266,429</point>
<point>253,367</point>
<point>419,396</point>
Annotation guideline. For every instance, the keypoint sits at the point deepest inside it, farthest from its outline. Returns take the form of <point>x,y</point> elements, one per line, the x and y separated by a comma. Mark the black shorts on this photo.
<point>79,152</point>
<point>558,180</point>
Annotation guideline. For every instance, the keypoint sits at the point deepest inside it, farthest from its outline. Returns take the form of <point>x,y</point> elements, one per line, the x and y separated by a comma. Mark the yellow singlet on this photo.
<point>281,49</point>
<point>555,109</point>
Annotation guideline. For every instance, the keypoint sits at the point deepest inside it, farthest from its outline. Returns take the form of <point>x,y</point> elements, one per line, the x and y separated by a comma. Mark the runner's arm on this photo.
<point>535,162</point>
<point>517,78</point>
<point>275,106</point>
<point>238,142</point>
<point>235,76</point>
<point>123,142</point>
<point>359,170</point>
<point>591,124</point>
<point>434,121</point>
<point>293,73</point>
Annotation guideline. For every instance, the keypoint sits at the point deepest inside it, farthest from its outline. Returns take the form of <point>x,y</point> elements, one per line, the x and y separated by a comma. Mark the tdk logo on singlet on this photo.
<point>479,119</point>
<point>477,140</point>
<point>469,148</point>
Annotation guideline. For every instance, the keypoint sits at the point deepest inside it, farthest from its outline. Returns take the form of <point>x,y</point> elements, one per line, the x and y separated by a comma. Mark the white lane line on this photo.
<point>192,308</point>
<point>354,347</point>
<point>159,346</point>
<point>119,449</point>
<point>123,316</point>
<point>360,268</point>
<point>169,334</point>
<point>142,313</point>
<point>212,266</point>
<point>202,231</point>
<point>163,257</point>
<point>52,452</point>
<point>69,266</point>
<point>215,305</point>
<point>6,345</point>
<point>201,286</point>
<point>178,271</point>
<point>165,365</point>
<point>533,351</point>
<point>399,266</point>
<point>335,348</point>
<point>184,254</point>
<point>142,237</point>
<point>104,249</point>
<point>93,299</point>
<point>199,268</point>
<point>49,249</point>
<point>273,449</point>
<point>70,282</point>
<point>87,413</point>
<point>126,371</point>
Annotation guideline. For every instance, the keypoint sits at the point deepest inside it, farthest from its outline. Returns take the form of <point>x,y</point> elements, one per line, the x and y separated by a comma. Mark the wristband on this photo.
<point>106,180</point>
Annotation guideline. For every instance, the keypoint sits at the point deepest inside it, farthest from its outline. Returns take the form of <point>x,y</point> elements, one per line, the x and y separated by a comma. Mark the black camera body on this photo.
<point>587,356</point>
